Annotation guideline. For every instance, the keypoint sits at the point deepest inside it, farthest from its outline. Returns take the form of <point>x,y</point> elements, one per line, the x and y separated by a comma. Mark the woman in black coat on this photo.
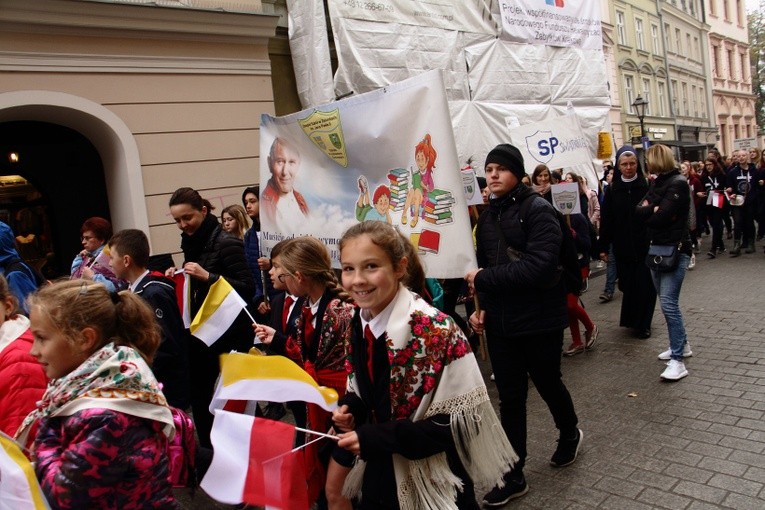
<point>620,226</point>
<point>209,254</point>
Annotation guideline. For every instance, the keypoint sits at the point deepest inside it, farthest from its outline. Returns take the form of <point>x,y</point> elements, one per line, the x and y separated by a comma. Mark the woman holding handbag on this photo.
<point>665,209</point>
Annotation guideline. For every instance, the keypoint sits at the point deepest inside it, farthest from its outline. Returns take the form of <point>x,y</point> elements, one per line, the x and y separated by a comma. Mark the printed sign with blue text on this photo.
<point>557,143</point>
<point>387,155</point>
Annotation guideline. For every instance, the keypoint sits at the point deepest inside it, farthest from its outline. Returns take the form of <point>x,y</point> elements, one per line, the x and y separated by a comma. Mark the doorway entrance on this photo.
<point>51,180</point>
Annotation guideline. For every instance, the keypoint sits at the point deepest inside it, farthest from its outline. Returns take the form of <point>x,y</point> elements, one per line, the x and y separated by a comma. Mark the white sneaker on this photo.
<point>675,371</point>
<point>667,355</point>
<point>692,263</point>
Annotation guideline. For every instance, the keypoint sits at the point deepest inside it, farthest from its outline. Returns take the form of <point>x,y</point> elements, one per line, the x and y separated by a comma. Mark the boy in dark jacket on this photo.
<point>523,311</point>
<point>130,256</point>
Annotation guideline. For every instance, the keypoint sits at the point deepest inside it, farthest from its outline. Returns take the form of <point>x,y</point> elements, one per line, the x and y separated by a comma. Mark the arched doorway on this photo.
<point>122,196</point>
<point>53,179</point>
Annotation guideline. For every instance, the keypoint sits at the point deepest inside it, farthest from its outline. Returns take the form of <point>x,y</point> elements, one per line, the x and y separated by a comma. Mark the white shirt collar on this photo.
<point>138,280</point>
<point>379,323</point>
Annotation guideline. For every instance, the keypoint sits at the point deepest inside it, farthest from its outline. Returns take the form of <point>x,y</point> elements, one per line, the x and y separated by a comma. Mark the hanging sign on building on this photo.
<point>553,23</point>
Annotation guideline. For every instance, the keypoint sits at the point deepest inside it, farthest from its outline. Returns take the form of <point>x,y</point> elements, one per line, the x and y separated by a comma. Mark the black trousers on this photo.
<point>513,360</point>
<point>715,215</point>
<point>743,223</point>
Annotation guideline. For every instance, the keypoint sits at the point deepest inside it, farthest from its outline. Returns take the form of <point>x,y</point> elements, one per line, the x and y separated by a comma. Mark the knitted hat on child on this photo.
<point>509,157</point>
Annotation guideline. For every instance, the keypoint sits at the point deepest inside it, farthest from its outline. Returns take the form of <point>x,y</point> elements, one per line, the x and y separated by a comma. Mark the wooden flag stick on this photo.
<point>482,336</point>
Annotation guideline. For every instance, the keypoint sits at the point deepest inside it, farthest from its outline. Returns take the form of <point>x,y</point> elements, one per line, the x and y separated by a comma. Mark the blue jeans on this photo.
<point>668,289</point>
<point>610,271</point>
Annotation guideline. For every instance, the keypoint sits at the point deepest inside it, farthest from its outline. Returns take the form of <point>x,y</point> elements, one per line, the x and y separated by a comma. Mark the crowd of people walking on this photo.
<point>92,369</point>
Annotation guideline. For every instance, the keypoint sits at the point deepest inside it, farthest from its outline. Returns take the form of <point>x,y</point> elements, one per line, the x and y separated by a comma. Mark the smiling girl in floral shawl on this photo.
<point>103,421</point>
<point>417,413</point>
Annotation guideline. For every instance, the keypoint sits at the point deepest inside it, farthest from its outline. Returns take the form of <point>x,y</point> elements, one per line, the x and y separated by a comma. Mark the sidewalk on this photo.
<point>693,444</point>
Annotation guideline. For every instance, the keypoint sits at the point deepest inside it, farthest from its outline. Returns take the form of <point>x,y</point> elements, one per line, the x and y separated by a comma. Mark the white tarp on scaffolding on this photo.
<point>492,84</point>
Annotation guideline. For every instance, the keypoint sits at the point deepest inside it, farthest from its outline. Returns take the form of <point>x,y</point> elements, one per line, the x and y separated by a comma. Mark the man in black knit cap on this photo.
<point>523,311</point>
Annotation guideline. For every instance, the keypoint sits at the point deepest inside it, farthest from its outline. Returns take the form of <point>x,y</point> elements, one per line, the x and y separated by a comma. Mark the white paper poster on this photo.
<point>574,23</point>
<point>387,155</point>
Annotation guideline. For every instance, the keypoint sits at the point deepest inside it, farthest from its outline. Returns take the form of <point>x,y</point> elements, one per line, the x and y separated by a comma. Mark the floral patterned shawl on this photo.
<point>433,371</point>
<point>114,377</point>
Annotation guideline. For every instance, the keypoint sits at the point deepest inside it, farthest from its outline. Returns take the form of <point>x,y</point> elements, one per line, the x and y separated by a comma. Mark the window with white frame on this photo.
<point>678,42</point>
<point>667,42</point>
<point>713,7</point>
<point>716,61</point>
<point>697,49</point>
<point>702,102</point>
<point>743,61</point>
<point>694,101</point>
<point>655,39</point>
<point>726,10</point>
<point>675,91</point>
<point>660,98</point>
<point>684,100</point>
<point>731,65</point>
<point>739,13</point>
<point>688,47</point>
<point>621,32</point>
<point>647,95</point>
<point>629,92</point>
<point>639,36</point>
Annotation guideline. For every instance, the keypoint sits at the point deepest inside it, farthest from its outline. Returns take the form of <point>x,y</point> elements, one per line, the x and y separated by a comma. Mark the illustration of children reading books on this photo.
<point>381,200</point>
<point>422,179</point>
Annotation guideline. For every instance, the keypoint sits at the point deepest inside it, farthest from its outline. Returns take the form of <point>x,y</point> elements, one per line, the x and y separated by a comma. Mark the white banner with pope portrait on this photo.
<point>387,155</point>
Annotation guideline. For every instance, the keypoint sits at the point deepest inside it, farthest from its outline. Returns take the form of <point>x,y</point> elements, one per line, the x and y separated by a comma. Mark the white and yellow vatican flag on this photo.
<point>18,483</point>
<point>219,310</point>
<point>248,377</point>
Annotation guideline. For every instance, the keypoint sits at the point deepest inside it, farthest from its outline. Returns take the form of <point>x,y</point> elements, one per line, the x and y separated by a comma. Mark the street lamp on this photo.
<point>639,106</point>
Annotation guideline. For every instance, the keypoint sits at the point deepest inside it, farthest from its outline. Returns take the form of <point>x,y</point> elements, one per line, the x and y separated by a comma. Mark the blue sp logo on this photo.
<point>541,145</point>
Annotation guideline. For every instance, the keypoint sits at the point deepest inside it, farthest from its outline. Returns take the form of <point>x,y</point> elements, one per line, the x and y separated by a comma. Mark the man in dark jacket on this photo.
<point>740,183</point>
<point>523,311</point>
<point>129,257</point>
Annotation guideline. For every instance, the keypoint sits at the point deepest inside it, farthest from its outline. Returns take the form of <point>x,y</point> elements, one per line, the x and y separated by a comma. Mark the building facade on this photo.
<point>730,72</point>
<point>685,41</point>
<point>642,70</point>
<point>164,96</point>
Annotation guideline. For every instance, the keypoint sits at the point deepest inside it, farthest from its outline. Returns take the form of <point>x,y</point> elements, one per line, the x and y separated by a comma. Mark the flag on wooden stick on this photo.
<point>18,483</point>
<point>254,463</point>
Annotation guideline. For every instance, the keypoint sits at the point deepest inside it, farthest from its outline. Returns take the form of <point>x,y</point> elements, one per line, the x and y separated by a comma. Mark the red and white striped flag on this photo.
<point>254,463</point>
<point>183,296</point>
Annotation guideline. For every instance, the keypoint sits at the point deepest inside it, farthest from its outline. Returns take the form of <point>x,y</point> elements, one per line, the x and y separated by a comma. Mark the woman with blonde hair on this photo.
<point>234,220</point>
<point>665,210</point>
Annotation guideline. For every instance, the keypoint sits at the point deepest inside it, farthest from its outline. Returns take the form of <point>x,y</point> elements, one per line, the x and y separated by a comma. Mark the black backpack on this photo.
<point>568,258</point>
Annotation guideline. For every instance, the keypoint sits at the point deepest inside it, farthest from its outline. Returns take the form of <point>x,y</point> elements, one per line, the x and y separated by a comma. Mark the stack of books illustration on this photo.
<point>437,209</point>
<point>399,184</point>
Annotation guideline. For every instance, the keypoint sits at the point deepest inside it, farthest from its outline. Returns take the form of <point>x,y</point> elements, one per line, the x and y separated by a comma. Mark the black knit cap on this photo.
<point>509,157</point>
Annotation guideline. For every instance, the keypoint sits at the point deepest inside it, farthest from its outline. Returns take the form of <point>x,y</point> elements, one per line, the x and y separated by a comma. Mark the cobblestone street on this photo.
<point>697,443</point>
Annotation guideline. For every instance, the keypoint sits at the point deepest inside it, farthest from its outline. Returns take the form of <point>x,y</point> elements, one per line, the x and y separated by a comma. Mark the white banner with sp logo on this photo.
<point>557,143</point>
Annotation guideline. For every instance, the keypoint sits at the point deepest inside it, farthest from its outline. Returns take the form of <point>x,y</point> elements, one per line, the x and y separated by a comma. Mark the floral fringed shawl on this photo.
<point>433,371</point>
<point>114,377</point>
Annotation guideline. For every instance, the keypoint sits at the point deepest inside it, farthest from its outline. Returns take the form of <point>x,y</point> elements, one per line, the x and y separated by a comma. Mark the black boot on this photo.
<point>736,251</point>
<point>750,247</point>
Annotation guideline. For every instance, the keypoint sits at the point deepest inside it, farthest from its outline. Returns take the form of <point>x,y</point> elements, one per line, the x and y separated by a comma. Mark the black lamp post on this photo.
<point>639,106</point>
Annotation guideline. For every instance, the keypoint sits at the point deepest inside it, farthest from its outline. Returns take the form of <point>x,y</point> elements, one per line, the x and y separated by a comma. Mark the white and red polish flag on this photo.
<point>255,463</point>
<point>183,295</point>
